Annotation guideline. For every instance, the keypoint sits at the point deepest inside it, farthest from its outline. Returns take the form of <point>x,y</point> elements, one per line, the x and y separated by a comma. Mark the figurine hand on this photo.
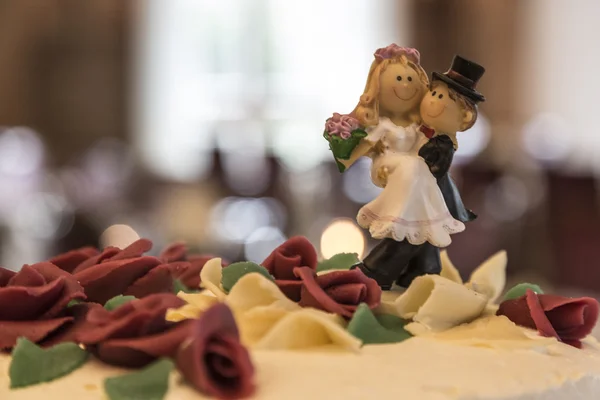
<point>379,148</point>
<point>382,175</point>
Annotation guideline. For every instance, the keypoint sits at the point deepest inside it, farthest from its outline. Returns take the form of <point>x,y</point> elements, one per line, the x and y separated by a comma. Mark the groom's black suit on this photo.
<point>401,261</point>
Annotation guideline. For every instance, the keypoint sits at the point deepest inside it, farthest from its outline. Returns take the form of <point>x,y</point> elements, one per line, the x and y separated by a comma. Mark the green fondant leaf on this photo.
<point>235,271</point>
<point>31,364</point>
<point>150,383</point>
<point>74,302</point>
<point>118,301</point>
<point>519,290</point>
<point>338,261</point>
<point>376,330</point>
<point>178,286</point>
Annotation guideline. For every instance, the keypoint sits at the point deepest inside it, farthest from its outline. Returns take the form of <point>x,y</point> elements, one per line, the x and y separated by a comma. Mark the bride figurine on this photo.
<point>411,206</point>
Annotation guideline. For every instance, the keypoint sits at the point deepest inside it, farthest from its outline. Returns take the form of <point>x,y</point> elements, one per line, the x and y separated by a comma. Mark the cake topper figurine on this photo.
<point>408,128</point>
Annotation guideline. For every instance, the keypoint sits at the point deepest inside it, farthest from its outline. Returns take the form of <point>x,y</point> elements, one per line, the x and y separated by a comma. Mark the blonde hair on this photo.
<point>367,110</point>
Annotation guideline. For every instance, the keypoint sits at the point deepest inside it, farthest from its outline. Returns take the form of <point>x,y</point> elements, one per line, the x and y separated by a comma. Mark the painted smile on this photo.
<point>436,115</point>
<point>407,98</point>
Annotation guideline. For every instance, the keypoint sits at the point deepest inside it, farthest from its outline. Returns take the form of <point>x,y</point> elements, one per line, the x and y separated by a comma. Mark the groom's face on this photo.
<point>439,111</point>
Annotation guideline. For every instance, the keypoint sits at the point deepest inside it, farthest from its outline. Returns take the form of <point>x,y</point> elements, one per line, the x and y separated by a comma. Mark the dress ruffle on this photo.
<point>436,231</point>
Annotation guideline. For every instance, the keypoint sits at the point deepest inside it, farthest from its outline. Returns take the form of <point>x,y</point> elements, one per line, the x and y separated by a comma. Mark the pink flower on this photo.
<point>341,125</point>
<point>393,51</point>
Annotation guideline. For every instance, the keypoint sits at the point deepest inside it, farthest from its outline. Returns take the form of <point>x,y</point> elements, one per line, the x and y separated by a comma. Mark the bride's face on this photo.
<point>400,89</point>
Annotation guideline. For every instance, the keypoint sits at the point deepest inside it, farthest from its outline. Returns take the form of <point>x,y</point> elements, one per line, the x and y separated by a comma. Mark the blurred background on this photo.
<point>201,120</point>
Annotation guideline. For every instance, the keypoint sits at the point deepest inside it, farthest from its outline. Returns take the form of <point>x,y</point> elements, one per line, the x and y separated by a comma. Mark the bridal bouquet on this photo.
<point>343,132</point>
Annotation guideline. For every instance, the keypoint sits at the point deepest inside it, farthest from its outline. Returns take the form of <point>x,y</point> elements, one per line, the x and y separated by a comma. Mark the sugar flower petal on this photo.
<point>308,328</point>
<point>449,271</point>
<point>435,304</point>
<point>490,277</point>
<point>254,290</point>
<point>197,304</point>
<point>211,276</point>
<point>257,322</point>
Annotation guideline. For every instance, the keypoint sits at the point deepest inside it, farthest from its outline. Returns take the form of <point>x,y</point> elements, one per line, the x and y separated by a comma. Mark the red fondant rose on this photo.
<point>33,303</point>
<point>70,260</point>
<point>190,275</point>
<point>339,292</point>
<point>567,319</point>
<point>135,333</point>
<point>113,271</point>
<point>213,360</point>
<point>295,252</point>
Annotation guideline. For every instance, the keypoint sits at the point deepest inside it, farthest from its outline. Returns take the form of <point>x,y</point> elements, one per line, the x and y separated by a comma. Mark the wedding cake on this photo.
<point>119,324</point>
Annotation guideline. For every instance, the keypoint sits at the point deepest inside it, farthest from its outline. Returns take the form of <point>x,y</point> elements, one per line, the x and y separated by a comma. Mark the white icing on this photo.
<point>423,368</point>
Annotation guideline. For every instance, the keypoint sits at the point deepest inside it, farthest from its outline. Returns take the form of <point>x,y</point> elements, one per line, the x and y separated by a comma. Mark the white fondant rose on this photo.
<point>439,302</point>
<point>266,318</point>
<point>435,303</point>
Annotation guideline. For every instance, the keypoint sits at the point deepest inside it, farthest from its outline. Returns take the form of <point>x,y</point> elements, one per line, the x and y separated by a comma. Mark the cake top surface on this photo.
<point>279,327</point>
<point>419,368</point>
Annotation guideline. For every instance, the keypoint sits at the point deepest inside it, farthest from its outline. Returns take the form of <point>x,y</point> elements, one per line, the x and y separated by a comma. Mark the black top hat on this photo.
<point>463,76</point>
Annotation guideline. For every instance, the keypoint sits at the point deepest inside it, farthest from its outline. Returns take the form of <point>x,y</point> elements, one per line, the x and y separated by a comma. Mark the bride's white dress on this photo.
<point>411,205</point>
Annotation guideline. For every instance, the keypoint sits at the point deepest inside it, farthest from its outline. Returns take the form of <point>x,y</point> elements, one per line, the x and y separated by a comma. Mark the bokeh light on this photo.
<point>507,199</point>
<point>357,184</point>
<point>21,151</point>
<point>547,138</point>
<point>234,219</point>
<point>43,215</point>
<point>296,149</point>
<point>261,243</point>
<point>342,236</point>
<point>473,141</point>
<point>118,235</point>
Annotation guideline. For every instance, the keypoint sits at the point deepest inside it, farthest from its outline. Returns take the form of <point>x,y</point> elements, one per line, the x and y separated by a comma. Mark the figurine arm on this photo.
<point>438,154</point>
<point>361,150</point>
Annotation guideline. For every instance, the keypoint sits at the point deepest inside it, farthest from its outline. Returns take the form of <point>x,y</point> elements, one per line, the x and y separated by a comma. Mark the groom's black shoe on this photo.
<point>426,261</point>
<point>388,260</point>
<point>384,281</point>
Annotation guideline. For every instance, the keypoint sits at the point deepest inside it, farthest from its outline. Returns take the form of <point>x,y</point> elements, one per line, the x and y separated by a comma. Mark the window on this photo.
<point>261,75</point>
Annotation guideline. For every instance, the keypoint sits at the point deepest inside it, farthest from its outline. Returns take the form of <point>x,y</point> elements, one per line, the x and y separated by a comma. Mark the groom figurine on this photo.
<point>450,106</point>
